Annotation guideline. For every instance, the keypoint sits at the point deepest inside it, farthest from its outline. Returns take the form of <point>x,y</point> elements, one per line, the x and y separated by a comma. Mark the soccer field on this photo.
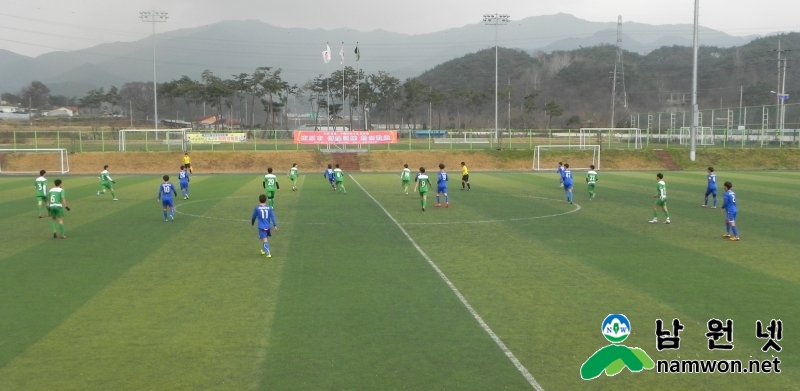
<point>504,290</point>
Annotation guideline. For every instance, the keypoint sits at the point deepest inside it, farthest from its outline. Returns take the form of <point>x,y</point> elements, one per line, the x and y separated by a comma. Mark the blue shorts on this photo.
<point>167,202</point>
<point>731,216</point>
<point>442,189</point>
<point>264,233</point>
<point>184,185</point>
<point>567,186</point>
<point>711,191</point>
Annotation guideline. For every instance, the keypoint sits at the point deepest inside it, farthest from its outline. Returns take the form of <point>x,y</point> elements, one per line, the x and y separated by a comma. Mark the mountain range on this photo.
<point>233,47</point>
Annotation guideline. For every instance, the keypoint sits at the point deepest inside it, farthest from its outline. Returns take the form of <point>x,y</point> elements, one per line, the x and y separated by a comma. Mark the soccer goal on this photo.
<point>582,163</point>
<point>153,139</point>
<point>586,136</point>
<point>705,136</point>
<point>30,161</point>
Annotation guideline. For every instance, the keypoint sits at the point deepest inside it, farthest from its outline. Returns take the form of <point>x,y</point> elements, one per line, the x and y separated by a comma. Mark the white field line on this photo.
<point>484,326</point>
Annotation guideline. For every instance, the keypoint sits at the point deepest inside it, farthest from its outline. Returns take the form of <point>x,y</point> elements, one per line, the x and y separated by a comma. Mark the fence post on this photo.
<point>35,140</point>
<point>80,141</point>
<point>275,132</point>
<point>15,139</point>
<point>530,139</point>
<point>430,136</point>
<point>146,144</point>
<point>102,141</point>
<point>58,139</point>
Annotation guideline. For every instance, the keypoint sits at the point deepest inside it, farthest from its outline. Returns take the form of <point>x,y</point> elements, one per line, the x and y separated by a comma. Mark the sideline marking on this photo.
<point>484,326</point>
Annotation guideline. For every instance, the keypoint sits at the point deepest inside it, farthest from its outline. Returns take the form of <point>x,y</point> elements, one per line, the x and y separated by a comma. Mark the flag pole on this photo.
<point>342,52</point>
<point>328,88</point>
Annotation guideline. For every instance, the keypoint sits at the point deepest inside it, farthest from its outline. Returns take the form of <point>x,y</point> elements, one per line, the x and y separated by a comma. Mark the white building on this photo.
<point>61,112</point>
<point>8,109</point>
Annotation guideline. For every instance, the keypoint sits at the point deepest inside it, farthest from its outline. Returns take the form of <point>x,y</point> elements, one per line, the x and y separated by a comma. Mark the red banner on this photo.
<point>351,137</point>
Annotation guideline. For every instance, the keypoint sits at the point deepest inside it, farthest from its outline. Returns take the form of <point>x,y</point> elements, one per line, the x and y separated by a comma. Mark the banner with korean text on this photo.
<point>215,138</point>
<point>352,137</point>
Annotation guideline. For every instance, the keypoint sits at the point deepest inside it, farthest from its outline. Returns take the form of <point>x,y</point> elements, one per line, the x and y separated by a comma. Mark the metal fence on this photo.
<point>479,139</point>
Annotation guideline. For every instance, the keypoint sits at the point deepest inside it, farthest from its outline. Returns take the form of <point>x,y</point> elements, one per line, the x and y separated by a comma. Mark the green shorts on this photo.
<point>339,181</point>
<point>423,193</point>
<point>270,193</point>
<point>406,182</point>
<point>41,198</point>
<point>106,185</point>
<point>292,178</point>
<point>56,212</point>
<point>591,187</point>
<point>660,202</point>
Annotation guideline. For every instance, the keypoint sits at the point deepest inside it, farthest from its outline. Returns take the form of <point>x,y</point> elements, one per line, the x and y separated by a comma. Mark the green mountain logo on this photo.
<point>615,357</point>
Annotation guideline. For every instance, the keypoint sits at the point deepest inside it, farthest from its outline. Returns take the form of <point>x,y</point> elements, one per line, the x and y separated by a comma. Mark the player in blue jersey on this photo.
<point>331,177</point>
<point>165,192</point>
<point>566,182</point>
<point>729,208</point>
<point>560,171</point>
<point>711,189</point>
<point>441,187</point>
<point>265,215</point>
<point>183,178</point>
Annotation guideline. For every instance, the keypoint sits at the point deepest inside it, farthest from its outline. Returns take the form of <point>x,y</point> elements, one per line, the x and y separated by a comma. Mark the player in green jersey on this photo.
<point>41,190</point>
<point>405,177</point>
<point>271,185</point>
<point>105,184</point>
<point>338,175</point>
<point>661,199</point>
<point>56,203</point>
<point>293,176</point>
<point>591,180</point>
<point>423,183</point>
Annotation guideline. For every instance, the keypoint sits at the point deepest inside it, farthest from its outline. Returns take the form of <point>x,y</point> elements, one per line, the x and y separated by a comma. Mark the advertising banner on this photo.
<point>352,137</point>
<point>215,138</point>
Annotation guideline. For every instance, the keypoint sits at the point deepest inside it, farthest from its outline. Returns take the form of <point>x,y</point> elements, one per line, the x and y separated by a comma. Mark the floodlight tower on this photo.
<point>495,20</point>
<point>693,133</point>
<point>154,17</point>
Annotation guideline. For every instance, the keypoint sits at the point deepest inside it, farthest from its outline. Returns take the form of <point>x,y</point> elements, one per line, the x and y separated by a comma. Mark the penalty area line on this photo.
<point>481,322</point>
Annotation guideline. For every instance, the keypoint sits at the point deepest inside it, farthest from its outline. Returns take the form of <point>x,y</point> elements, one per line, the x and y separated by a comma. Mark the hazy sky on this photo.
<point>33,27</point>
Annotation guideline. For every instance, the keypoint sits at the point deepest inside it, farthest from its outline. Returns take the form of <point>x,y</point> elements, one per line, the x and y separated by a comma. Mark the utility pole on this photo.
<point>509,108</point>
<point>154,17</point>
<point>495,20</point>
<point>693,133</point>
<point>741,99</point>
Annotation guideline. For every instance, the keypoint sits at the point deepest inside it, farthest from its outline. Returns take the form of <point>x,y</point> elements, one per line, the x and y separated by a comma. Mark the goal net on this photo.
<point>30,161</point>
<point>579,157</point>
<point>704,135</point>
<point>632,136</point>
<point>152,139</point>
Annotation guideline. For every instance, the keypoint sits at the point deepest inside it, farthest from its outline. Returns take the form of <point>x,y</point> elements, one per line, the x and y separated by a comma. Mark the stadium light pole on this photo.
<point>154,17</point>
<point>693,133</point>
<point>495,20</point>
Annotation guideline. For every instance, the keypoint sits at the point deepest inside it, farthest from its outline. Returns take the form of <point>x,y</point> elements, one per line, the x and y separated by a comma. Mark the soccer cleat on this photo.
<point>263,253</point>
<point>653,221</point>
<point>713,207</point>
<point>55,235</point>
<point>446,204</point>
<point>65,236</point>
<point>166,221</point>
<point>97,194</point>
<point>438,205</point>
<point>704,206</point>
<point>734,239</point>
<point>269,255</point>
<point>172,217</point>
<point>115,199</point>
<point>423,209</point>
<point>40,216</point>
<point>667,222</point>
<point>726,236</point>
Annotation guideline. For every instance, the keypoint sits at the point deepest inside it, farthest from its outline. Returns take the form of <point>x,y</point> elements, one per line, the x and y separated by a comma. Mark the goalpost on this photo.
<point>537,156</point>
<point>705,136</point>
<point>51,160</point>
<point>157,139</point>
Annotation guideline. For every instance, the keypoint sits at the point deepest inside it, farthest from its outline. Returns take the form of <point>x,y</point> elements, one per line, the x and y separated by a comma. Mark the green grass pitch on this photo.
<point>129,302</point>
